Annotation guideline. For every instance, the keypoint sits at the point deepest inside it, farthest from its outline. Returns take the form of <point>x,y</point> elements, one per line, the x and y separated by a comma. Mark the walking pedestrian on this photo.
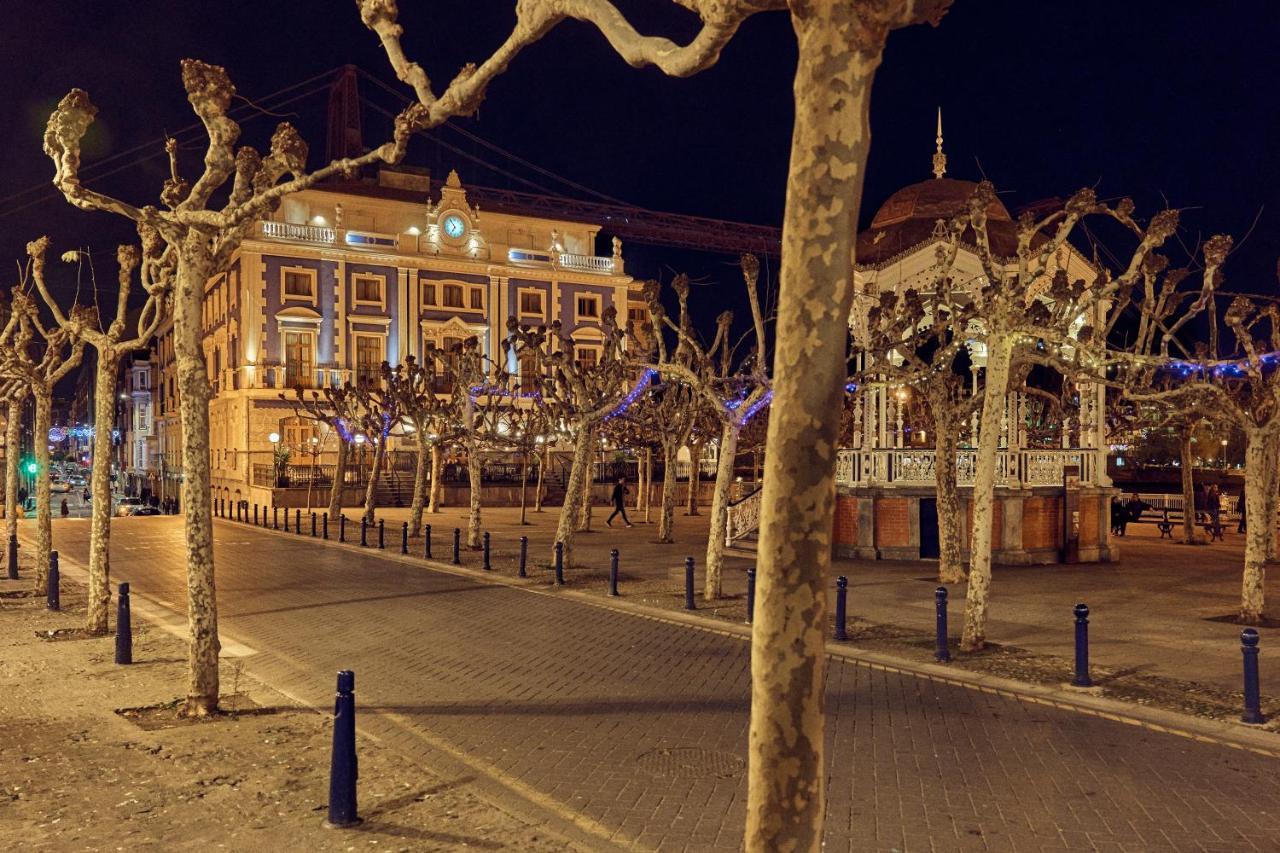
<point>1240,528</point>
<point>619,503</point>
<point>1213,503</point>
<point>66,510</point>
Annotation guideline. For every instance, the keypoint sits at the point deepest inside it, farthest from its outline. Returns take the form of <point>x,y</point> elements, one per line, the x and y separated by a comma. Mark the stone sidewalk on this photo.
<point>632,728</point>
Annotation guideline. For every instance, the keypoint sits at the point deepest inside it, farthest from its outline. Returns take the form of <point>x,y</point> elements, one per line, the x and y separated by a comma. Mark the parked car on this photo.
<point>59,487</point>
<point>144,510</point>
<point>128,506</point>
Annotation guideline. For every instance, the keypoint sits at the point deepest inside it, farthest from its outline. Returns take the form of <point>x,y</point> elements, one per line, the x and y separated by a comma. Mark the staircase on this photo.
<point>394,488</point>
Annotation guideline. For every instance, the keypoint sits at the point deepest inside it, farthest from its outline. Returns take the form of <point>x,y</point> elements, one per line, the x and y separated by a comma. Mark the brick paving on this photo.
<point>581,705</point>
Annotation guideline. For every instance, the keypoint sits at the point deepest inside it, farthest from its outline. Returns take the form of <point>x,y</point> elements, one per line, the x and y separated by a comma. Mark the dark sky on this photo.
<point>1141,98</point>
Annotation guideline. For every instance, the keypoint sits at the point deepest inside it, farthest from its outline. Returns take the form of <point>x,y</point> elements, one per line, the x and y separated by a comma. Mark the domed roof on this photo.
<point>909,217</point>
<point>934,199</point>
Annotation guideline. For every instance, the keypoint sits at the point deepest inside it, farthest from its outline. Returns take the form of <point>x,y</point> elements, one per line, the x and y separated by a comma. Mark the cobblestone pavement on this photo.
<point>635,728</point>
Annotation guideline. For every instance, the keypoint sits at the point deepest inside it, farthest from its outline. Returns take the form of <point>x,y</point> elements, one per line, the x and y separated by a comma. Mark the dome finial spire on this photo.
<point>939,159</point>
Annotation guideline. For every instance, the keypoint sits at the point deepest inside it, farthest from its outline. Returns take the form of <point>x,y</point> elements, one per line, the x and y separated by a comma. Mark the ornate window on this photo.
<point>298,285</point>
<point>453,296</point>
<point>369,290</point>
<point>531,303</point>
<point>369,359</point>
<point>588,306</point>
<point>299,359</point>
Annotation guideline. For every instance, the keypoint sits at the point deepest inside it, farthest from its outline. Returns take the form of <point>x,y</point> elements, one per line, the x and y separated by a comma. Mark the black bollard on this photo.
<point>524,556</point>
<point>613,571</point>
<point>751,594</point>
<point>53,597</point>
<point>688,584</point>
<point>842,594</point>
<point>382,539</point>
<point>255,515</point>
<point>275,518</point>
<point>1082,647</point>
<point>286,520</point>
<point>343,766</point>
<point>364,532</point>
<point>124,627</point>
<point>941,653</point>
<point>426,542</point>
<point>486,566</point>
<point>404,538</point>
<point>297,522</point>
<point>13,558</point>
<point>324,527</point>
<point>342,527</point>
<point>313,525</point>
<point>457,545</point>
<point>1252,701</point>
<point>559,564</point>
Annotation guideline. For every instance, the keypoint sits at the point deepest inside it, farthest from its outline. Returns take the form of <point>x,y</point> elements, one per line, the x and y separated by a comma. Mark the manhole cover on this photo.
<point>691,762</point>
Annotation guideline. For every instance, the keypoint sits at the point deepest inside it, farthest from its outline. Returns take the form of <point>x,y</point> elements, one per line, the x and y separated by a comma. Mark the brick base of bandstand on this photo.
<point>884,523</point>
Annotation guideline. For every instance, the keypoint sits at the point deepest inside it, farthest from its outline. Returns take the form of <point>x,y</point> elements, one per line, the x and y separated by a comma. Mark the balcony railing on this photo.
<point>298,233</point>
<point>280,377</point>
<point>564,260</point>
<point>915,467</point>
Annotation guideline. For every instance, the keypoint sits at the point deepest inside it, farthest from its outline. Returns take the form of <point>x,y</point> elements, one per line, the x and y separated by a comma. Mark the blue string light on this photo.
<point>634,394</point>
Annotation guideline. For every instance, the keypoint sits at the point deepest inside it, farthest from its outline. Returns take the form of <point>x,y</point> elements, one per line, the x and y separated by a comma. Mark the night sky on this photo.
<point>1148,99</point>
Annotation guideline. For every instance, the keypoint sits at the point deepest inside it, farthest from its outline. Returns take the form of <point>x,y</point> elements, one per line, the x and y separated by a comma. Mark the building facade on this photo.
<point>348,275</point>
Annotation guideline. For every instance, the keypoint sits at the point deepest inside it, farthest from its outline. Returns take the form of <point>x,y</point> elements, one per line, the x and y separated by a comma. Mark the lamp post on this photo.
<point>1224,454</point>
<point>274,438</point>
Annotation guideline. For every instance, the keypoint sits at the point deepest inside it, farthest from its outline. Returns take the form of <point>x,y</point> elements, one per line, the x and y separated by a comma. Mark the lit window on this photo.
<point>299,284</point>
<point>368,289</point>
<point>428,294</point>
<point>637,317</point>
<point>368,360</point>
<point>477,298</point>
<point>589,306</point>
<point>453,296</point>
<point>531,302</point>
<point>586,356</point>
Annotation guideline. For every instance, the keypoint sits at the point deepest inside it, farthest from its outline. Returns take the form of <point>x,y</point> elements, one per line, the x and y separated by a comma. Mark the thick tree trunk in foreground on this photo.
<point>950,524</point>
<point>542,470</point>
<point>1271,484</point>
<point>1188,489</point>
<point>421,472</point>
<point>371,488</point>
<point>666,515</point>
<point>104,398</point>
<point>584,511</point>
<point>1256,480</point>
<point>12,474</point>
<point>474,487</point>
<point>999,355</point>
<point>437,479</point>
<point>713,587</point>
<point>193,408</point>
<point>339,480</point>
<point>568,523</point>
<point>44,498</point>
<point>838,54</point>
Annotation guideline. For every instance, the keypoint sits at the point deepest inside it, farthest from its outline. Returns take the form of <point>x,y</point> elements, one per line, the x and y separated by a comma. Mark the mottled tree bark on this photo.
<point>13,462</point>
<point>713,587</point>
<point>838,54</point>
<point>999,357</point>
<point>542,469</point>
<point>437,478</point>
<point>568,523</point>
<point>524,488</point>
<point>421,473</point>
<point>371,488</point>
<point>695,478</point>
<point>44,498</point>
<point>99,606</point>
<point>950,524</point>
<point>473,489</point>
<point>1256,481</point>
<point>666,516</point>
<point>1187,469</point>
<point>584,511</point>
<point>194,269</point>
<point>336,491</point>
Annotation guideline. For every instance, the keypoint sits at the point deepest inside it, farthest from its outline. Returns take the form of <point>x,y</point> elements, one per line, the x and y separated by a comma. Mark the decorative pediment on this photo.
<point>298,314</point>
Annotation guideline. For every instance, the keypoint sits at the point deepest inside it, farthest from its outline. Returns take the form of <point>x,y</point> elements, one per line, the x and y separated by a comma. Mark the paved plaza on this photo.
<point>630,731</point>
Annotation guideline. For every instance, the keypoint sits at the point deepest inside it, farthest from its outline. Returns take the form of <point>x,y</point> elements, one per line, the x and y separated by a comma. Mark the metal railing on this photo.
<point>300,233</point>
<point>915,466</point>
<point>743,517</point>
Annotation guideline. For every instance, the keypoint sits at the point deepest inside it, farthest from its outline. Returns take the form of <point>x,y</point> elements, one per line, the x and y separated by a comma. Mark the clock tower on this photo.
<point>453,224</point>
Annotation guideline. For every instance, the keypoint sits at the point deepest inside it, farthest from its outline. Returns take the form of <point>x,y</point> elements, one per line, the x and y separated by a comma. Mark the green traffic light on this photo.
<point>32,467</point>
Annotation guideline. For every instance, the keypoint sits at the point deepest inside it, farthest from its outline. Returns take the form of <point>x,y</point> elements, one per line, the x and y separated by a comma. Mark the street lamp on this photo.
<point>1224,454</point>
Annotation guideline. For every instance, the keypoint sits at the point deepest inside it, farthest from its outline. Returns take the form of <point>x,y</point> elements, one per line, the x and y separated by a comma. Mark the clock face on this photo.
<point>454,226</point>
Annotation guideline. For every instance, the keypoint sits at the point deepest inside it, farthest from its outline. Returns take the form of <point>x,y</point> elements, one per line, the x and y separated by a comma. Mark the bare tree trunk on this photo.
<point>474,487</point>
<point>524,488</point>
<point>1271,483</point>
<point>695,478</point>
<point>568,524</point>
<point>193,408</point>
<point>1188,488</point>
<point>838,54</point>
<point>648,484</point>
<point>584,512</point>
<point>437,478</point>
<point>714,584</point>
<point>946,446</point>
<point>44,499</point>
<point>104,398</point>
<point>12,474</point>
<point>999,355</point>
<point>1256,482</point>
<point>420,485</point>
<point>542,467</point>
<point>371,488</point>
<point>339,480</point>
<point>641,483</point>
<point>666,518</point>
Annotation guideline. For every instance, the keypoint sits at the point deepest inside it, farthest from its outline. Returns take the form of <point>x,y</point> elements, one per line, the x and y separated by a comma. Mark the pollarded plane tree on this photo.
<point>13,392</point>
<point>204,238</point>
<point>1143,426</point>
<point>38,356</point>
<point>111,343</point>
<point>337,409</point>
<point>840,43</point>
<point>579,394</point>
<point>1031,311</point>
<point>523,427</point>
<point>920,338</point>
<point>731,389</point>
<point>428,406</point>
<point>378,410</point>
